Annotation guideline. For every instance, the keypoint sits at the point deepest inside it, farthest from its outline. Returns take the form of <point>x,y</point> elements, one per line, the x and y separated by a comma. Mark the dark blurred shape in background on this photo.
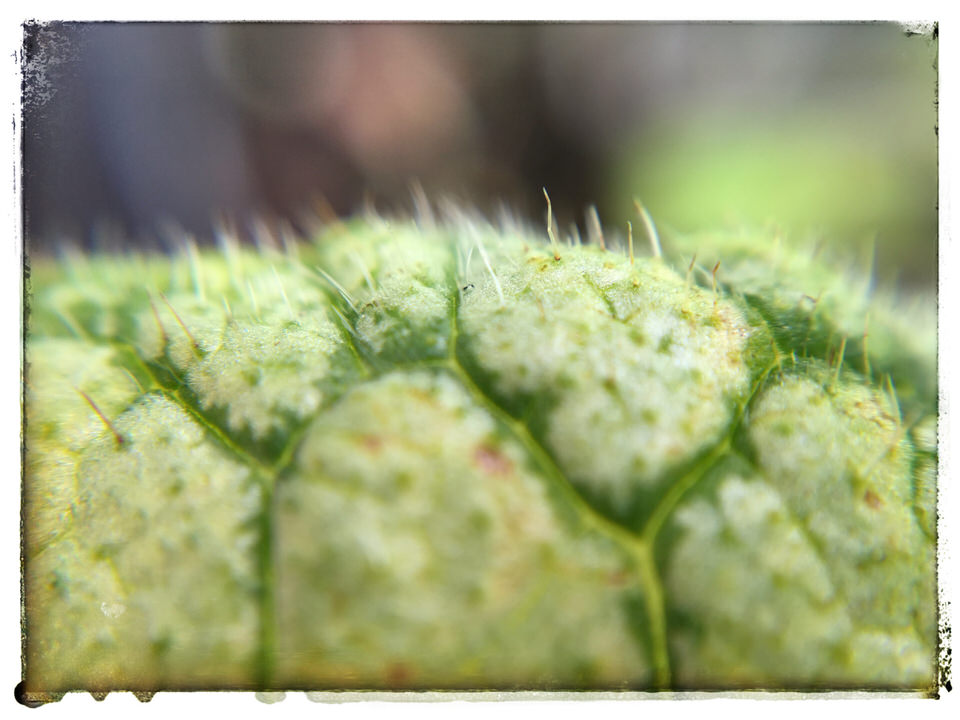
<point>814,130</point>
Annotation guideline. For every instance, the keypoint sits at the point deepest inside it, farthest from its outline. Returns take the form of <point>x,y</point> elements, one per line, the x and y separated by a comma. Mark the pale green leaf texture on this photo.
<point>398,457</point>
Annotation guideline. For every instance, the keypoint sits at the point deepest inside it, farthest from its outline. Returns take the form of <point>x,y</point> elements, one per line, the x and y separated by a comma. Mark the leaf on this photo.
<point>406,458</point>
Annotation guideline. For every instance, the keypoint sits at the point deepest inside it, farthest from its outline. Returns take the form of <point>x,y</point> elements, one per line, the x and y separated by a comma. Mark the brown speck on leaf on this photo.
<point>872,499</point>
<point>398,674</point>
<point>372,443</point>
<point>492,461</point>
<point>618,578</point>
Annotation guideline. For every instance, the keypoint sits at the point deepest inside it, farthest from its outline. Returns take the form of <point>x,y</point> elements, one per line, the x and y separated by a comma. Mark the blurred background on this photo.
<point>133,132</point>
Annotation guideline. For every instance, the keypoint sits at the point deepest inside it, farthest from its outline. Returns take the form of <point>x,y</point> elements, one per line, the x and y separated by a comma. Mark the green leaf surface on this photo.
<point>402,457</point>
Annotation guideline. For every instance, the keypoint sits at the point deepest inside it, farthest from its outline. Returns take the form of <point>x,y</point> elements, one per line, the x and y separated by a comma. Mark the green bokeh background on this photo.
<point>853,168</point>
